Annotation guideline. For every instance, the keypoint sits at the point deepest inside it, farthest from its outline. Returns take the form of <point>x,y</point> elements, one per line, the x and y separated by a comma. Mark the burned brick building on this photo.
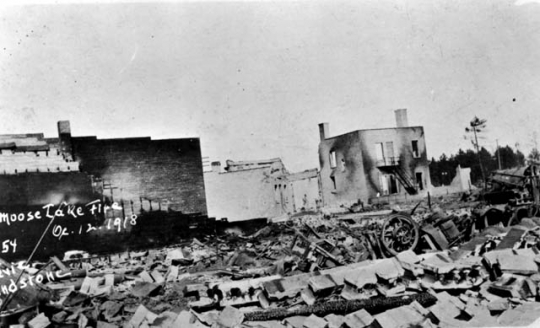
<point>144,172</point>
<point>365,164</point>
<point>128,178</point>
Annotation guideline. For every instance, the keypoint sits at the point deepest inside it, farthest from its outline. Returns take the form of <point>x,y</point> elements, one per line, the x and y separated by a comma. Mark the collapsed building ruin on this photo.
<point>246,190</point>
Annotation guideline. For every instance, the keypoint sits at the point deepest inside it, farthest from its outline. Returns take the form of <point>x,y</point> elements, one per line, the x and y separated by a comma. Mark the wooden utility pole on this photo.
<point>498,153</point>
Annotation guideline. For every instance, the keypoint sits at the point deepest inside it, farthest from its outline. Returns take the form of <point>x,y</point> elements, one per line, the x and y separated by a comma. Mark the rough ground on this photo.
<point>268,279</point>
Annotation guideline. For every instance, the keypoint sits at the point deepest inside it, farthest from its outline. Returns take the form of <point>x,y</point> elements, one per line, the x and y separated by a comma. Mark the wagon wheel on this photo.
<point>517,215</point>
<point>399,233</point>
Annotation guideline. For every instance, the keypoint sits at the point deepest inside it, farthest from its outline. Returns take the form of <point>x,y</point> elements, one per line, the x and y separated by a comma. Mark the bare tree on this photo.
<point>476,126</point>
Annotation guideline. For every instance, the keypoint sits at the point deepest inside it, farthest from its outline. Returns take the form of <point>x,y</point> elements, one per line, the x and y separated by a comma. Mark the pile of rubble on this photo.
<point>311,272</point>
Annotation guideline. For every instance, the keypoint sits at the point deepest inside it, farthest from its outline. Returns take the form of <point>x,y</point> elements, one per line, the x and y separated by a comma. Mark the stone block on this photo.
<point>439,263</point>
<point>157,277</point>
<point>409,261</point>
<point>520,264</point>
<point>482,318</point>
<point>140,315</point>
<point>405,316</point>
<point>512,238</point>
<point>389,270</point>
<point>323,284</point>
<point>175,254</point>
<point>498,306</point>
<point>307,296</point>
<point>295,322</point>
<point>40,321</point>
<point>172,274</point>
<point>184,319</point>
<point>314,321</point>
<point>146,277</point>
<point>358,319</point>
<point>89,286</point>
<point>287,287</point>
<point>144,289</point>
<point>362,278</point>
<point>408,256</point>
<point>230,317</point>
<point>334,321</point>
<point>447,307</point>
<point>521,315</point>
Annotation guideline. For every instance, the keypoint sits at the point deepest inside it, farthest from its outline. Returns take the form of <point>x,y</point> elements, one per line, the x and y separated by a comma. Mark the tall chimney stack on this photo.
<point>401,118</point>
<point>324,131</point>
<point>64,134</point>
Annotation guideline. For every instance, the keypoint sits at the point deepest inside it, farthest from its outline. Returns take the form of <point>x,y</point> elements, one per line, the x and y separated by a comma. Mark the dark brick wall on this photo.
<point>167,171</point>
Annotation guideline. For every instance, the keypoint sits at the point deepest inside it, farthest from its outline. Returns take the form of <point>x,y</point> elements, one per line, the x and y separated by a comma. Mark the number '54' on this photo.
<point>8,245</point>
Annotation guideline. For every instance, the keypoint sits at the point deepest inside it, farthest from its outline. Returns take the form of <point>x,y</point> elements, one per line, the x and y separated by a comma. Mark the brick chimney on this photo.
<point>64,134</point>
<point>401,118</point>
<point>216,167</point>
<point>324,131</point>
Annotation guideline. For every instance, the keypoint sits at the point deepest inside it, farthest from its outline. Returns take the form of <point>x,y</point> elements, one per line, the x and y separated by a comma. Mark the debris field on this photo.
<point>309,271</point>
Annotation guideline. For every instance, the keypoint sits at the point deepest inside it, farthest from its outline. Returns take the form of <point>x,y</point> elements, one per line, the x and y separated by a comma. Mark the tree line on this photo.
<point>443,170</point>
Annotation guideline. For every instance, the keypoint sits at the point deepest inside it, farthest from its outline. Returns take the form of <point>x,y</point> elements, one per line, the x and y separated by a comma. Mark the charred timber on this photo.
<point>373,306</point>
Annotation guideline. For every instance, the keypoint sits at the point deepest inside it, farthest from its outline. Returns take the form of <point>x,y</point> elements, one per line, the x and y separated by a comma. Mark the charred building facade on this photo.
<point>365,164</point>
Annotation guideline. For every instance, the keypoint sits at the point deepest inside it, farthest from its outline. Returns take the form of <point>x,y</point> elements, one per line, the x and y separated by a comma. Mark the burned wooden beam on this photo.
<point>373,306</point>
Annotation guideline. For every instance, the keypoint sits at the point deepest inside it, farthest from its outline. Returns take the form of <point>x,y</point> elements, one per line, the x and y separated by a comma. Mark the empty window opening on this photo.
<point>419,181</point>
<point>276,194</point>
<point>389,184</point>
<point>415,151</point>
<point>384,184</point>
<point>333,159</point>
<point>392,184</point>
<point>379,151</point>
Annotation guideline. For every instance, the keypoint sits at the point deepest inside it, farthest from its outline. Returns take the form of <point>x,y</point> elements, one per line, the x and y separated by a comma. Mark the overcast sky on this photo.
<point>254,79</point>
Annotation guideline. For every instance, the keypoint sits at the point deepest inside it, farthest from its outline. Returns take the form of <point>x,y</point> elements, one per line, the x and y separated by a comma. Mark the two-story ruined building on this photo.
<point>366,164</point>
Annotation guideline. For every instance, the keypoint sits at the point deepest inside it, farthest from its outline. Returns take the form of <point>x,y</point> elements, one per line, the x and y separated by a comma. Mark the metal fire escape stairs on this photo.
<point>392,165</point>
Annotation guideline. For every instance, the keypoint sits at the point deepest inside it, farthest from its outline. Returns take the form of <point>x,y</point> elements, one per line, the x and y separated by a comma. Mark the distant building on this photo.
<point>366,164</point>
<point>245,190</point>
